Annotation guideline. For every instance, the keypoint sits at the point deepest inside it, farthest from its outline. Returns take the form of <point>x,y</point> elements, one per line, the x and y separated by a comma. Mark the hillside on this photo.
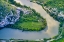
<point>14,15</point>
<point>8,13</point>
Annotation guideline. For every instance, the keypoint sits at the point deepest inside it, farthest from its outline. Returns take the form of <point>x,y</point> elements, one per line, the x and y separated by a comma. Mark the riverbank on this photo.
<point>19,40</point>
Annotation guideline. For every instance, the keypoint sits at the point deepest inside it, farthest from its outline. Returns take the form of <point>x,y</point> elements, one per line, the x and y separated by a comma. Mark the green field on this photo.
<point>31,25</point>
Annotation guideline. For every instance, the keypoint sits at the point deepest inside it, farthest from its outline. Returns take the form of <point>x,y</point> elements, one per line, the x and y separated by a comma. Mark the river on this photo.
<point>51,30</point>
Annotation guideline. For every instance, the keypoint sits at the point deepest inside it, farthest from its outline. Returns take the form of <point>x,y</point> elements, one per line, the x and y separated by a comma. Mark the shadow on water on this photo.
<point>1,28</point>
<point>46,28</point>
<point>11,26</point>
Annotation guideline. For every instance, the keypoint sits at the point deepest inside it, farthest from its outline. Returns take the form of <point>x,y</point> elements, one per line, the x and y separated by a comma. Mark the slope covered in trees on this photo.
<point>5,9</point>
<point>27,18</point>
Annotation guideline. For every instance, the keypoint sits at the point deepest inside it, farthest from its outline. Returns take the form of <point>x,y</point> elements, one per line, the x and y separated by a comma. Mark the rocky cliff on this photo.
<point>8,14</point>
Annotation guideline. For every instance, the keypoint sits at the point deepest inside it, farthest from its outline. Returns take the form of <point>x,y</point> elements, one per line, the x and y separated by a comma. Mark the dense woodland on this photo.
<point>5,9</point>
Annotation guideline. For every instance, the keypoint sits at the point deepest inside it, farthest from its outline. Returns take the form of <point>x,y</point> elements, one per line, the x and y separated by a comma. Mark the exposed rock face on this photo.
<point>8,13</point>
<point>10,19</point>
<point>55,11</point>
